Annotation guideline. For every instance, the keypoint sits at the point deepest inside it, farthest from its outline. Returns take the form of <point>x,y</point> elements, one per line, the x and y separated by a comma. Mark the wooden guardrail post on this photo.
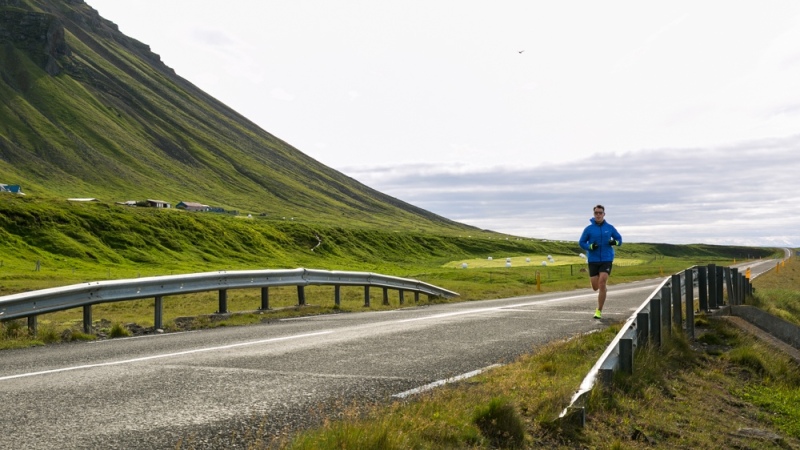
<point>400,296</point>
<point>702,288</point>
<point>416,296</point>
<point>337,295</point>
<point>689,292</point>
<point>719,289</point>
<point>736,287</point>
<point>265,298</point>
<point>158,313</point>
<point>386,296</point>
<point>301,295</point>
<point>366,296</point>
<point>223,301</point>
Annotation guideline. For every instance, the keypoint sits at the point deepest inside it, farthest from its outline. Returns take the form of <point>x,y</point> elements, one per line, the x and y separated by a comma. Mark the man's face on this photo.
<point>598,215</point>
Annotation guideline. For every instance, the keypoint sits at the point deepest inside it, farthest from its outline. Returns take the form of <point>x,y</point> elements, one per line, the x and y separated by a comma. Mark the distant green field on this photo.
<point>532,260</point>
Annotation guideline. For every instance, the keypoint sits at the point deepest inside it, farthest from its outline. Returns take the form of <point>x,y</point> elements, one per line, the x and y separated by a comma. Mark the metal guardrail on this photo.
<point>31,304</point>
<point>663,312</point>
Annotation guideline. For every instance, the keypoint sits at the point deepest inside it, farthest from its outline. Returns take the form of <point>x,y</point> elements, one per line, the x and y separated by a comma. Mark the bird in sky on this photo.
<point>521,51</point>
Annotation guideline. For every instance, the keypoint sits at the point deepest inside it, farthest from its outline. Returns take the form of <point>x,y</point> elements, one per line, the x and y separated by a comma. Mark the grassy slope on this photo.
<point>88,241</point>
<point>118,124</point>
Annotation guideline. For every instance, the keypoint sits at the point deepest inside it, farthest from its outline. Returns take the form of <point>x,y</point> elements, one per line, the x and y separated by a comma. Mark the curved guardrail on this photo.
<point>30,304</point>
<point>669,307</point>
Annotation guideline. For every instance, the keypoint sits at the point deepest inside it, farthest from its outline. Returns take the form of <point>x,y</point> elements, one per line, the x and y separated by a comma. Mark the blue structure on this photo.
<point>12,188</point>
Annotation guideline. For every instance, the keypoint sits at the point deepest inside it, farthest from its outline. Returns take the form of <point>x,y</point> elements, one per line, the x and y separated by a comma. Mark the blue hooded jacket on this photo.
<point>599,234</point>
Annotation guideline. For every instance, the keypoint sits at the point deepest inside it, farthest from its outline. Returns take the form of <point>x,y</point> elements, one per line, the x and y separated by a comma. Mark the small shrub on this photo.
<point>701,321</point>
<point>710,339</point>
<point>748,358</point>
<point>75,335</point>
<point>14,329</point>
<point>500,423</point>
<point>118,331</point>
<point>48,335</point>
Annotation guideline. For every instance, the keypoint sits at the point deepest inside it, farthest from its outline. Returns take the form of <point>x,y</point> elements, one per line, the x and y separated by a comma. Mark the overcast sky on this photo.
<point>682,117</point>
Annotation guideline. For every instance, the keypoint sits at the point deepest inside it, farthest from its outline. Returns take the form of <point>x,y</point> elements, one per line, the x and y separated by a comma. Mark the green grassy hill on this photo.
<point>89,112</point>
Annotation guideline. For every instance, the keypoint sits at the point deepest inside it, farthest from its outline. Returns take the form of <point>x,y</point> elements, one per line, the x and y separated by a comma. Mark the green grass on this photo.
<point>778,291</point>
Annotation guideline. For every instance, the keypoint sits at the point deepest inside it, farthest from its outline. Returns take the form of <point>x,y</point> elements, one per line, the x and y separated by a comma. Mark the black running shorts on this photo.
<point>596,267</point>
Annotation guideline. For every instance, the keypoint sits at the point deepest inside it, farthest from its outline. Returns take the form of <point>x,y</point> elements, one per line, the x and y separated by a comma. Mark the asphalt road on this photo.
<point>207,388</point>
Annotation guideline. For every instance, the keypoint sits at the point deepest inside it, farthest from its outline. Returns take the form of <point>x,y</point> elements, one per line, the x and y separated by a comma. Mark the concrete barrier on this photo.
<point>781,329</point>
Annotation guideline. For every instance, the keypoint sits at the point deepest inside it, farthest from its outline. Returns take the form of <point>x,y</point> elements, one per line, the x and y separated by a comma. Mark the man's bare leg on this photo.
<point>599,284</point>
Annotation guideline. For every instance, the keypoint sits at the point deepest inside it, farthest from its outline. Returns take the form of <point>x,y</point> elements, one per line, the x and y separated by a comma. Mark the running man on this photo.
<point>599,239</point>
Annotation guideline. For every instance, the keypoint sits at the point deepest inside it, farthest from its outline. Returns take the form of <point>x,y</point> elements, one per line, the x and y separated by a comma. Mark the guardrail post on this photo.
<point>626,355</point>
<point>666,318</point>
<point>742,288</point>
<point>223,301</point>
<point>33,325</point>
<point>337,295</point>
<point>606,377</point>
<point>416,296</point>
<point>655,320</point>
<point>712,286</point>
<point>264,298</point>
<point>301,295</point>
<point>736,286</point>
<point>386,296</point>
<point>726,276</point>
<point>400,295</point>
<point>702,287</point>
<point>158,313</point>
<point>689,291</point>
<point>677,312</point>
<point>642,327</point>
<point>87,319</point>
<point>366,296</point>
<point>748,287</point>
<point>720,280</point>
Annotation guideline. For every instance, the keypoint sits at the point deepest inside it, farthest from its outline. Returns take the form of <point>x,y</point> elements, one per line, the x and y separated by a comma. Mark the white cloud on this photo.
<point>280,94</point>
<point>745,193</point>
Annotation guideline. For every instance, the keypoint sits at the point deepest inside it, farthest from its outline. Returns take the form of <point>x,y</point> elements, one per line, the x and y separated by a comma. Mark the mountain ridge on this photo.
<point>91,112</point>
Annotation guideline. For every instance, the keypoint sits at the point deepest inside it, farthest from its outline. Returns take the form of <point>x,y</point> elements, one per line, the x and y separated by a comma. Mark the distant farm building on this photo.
<point>11,188</point>
<point>87,199</point>
<point>158,204</point>
<point>193,206</point>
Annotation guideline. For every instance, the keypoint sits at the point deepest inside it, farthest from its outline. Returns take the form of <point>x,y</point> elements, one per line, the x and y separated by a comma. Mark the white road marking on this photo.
<point>164,355</point>
<point>517,305</point>
<point>438,383</point>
